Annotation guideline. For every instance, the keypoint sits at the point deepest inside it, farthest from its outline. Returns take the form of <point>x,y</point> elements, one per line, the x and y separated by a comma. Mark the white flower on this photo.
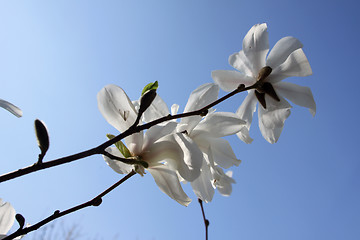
<point>286,59</point>
<point>11,108</point>
<point>207,133</point>
<point>7,218</point>
<point>167,154</point>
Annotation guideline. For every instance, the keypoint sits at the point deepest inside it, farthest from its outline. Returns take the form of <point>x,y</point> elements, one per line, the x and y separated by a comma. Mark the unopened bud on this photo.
<point>146,100</point>
<point>42,136</point>
<point>20,219</point>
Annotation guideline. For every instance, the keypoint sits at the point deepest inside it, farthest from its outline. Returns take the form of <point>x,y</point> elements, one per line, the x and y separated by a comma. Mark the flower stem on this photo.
<point>206,221</point>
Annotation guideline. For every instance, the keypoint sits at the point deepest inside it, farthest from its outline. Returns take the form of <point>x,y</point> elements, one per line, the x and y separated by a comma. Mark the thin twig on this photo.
<point>100,149</point>
<point>96,201</point>
<point>206,221</point>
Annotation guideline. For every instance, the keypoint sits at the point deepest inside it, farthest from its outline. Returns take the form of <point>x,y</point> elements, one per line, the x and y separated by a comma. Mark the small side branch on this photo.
<point>96,201</point>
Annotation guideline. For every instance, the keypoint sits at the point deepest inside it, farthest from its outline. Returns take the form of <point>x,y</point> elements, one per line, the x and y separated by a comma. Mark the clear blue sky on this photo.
<point>56,55</point>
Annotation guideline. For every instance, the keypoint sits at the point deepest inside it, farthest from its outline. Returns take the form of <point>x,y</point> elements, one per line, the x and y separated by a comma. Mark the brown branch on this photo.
<point>100,149</point>
<point>96,201</point>
<point>206,221</point>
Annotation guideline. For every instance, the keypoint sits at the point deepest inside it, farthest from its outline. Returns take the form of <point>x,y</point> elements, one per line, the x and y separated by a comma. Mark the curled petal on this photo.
<point>117,166</point>
<point>246,112</point>
<point>296,65</point>
<point>256,46</point>
<point>223,184</point>
<point>180,152</point>
<point>229,80</point>
<point>116,107</point>
<point>7,217</point>
<point>281,51</point>
<point>220,124</point>
<point>299,95</point>
<point>168,182</point>
<point>272,119</point>
<point>11,108</point>
<point>240,62</point>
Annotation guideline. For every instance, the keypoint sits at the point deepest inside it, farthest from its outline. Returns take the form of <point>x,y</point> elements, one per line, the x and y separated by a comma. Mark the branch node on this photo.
<point>240,87</point>
<point>204,113</point>
<point>96,201</point>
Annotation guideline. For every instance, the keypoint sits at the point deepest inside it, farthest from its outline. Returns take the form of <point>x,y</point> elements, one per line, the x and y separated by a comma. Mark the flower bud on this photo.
<point>20,219</point>
<point>42,136</point>
<point>146,100</point>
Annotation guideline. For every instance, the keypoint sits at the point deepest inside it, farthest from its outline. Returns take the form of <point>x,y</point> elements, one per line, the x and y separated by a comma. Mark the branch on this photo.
<point>101,148</point>
<point>206,221</point>
<point>96,201</point>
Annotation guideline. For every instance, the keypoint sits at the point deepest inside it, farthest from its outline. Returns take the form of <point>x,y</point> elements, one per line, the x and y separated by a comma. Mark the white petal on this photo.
<point>180,152</point>
<point>256,46</point>
<point>7,216</point>
<point>222,153</point>
<point>174,109</point>
<point>299,95</point>
<point>281,51</point>
<point>116,107</point>
<point>202,186</point>
<point>220,124</point>
<point>240,62</point>
<point>223,185</point>
<point>229,80</point>
<point>246,112</point>
<point>117,166</point>
<point>11,108</point>
<point>157,109</point>
<point>296,65</point>
<point>199,98</point>
<point>272,119</point>
<point>202,96</point>
<point>168,182</point>
<point>156,132</point>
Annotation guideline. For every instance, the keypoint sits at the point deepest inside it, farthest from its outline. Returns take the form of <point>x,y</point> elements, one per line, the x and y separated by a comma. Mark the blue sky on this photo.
<point>56,55</point>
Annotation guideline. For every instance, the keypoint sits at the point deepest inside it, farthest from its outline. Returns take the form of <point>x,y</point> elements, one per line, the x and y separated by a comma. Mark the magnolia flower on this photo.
<point>207,133</point>
<point>11,108</point>
<point>286,59</point>
<point>167,154</point>
<point>7,218</point>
